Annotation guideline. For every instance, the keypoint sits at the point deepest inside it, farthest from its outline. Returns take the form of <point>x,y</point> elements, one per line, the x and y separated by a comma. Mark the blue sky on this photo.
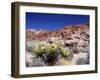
<point>47,21</point>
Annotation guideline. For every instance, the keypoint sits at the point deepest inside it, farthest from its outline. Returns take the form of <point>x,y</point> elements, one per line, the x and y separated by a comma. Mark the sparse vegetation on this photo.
<point>51,52</point>
<point>67,46</point>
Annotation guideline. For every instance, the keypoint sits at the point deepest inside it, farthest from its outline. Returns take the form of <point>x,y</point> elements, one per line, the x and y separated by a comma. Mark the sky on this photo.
<point>48,21</point>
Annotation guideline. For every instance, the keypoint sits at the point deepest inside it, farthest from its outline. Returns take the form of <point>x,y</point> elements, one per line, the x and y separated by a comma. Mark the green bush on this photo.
<point>39,49</point>
<point>65,52</point>
<point>54,48</point>
<point>49,53</point>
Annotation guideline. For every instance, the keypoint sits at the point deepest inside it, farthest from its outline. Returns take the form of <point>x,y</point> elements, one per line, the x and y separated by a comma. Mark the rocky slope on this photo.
<point>63,33</point>
<point>74,37</point>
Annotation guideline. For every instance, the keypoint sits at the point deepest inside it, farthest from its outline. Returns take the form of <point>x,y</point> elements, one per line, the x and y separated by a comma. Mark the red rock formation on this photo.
<point>62,33</point>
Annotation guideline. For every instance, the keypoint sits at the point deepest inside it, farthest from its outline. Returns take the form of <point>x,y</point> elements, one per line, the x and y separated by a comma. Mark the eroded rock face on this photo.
<point>63,33</point>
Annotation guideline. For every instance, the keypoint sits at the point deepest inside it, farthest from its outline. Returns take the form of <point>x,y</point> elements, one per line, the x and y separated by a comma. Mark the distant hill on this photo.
<point>63,33</point>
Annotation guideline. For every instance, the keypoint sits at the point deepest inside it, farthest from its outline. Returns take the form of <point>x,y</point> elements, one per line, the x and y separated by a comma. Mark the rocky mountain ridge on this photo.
<point>63,33</point>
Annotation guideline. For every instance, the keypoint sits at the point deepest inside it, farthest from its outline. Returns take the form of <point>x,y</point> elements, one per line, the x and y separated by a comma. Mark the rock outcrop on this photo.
<point>63,33</point>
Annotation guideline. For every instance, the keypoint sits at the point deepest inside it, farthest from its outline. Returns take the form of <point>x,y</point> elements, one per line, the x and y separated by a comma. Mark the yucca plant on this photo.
<point>65,51</point>
<point>49,52</point>
<point>39,49</point>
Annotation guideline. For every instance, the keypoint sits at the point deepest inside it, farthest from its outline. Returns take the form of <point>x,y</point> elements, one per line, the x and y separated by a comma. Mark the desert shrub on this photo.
<point>39,49</point>
<point>50,52</point>
<point>65,51</point>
